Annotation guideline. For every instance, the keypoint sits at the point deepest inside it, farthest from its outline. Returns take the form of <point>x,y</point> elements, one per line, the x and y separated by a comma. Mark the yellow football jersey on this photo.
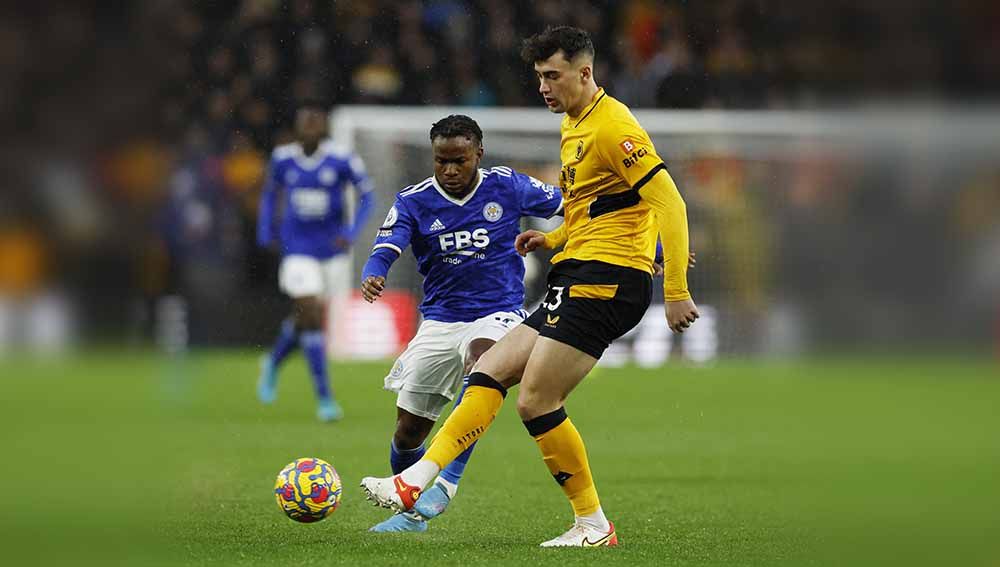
<point>606,158</point>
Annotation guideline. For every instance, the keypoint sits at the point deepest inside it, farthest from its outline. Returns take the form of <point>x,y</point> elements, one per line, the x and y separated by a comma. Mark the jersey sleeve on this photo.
<point>265,212</point>
<point>629,152</point>
<point>358,175</point>
<point>536,198</point>
<point>366,195</point>
<point>396,229</point>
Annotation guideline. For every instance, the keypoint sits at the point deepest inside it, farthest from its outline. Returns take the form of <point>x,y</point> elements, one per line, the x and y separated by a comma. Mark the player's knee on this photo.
<point>308,316</point>
<point>532,403</point>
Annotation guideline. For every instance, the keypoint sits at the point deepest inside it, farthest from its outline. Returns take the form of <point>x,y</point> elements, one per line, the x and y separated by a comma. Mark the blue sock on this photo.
<point>314,347</point>
<point>288,339</point>
<point>401,459</point>
<point>453,472</point>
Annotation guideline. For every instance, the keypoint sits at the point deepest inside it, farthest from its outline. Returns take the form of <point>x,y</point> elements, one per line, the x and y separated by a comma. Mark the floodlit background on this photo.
<point>841,165</point>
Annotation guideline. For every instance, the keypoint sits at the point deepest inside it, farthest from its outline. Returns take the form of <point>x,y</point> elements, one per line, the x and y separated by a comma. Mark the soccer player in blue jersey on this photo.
<point>461,224</point>
<point>312,237</point>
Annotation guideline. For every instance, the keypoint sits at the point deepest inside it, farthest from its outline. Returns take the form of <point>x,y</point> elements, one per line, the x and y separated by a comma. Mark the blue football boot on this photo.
<point>329,410</point>
<point>432,502</point>
<point>404,522</point>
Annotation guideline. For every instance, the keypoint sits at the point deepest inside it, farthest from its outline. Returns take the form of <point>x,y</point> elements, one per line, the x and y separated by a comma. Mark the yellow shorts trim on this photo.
<point>594,291</point>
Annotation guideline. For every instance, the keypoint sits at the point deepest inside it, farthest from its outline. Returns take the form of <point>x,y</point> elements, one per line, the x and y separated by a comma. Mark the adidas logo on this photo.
<point>437,225</point>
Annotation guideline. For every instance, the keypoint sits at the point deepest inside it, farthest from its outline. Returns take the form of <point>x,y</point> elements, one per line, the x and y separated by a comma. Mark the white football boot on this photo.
<point>582,536</point>
<point>390,492</point>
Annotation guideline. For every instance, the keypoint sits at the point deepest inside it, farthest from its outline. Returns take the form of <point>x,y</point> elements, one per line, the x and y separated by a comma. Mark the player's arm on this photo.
<point>366,198</point>
<point>393,237</point>
<point>658,259</point>
<point>265,212</point>
<point>670,213</point>
<point>629,152</point>
<point>538,199</point>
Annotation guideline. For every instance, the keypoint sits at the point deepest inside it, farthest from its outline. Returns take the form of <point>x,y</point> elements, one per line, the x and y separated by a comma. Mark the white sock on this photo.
<point>596,521</point>
<point>420,473</point>
<point>450,487</point>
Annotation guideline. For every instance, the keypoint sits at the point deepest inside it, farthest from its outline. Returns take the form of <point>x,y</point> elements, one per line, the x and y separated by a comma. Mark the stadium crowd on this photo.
<point>138,136</point>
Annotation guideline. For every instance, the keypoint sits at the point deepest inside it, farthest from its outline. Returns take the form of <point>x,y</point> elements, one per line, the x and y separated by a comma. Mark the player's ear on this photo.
<point>586,71</point>
<point>480,152</point>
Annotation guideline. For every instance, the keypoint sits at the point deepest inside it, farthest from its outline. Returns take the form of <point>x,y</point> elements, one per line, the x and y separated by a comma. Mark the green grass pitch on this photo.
<point>119,458</point>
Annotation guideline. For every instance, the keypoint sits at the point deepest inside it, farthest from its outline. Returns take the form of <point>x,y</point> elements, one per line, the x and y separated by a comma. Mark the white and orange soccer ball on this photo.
<point>308,490</point>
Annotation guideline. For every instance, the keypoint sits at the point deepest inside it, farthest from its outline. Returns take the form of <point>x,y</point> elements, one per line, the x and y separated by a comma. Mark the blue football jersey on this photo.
<point>313,212</point>
<point>465,247</point>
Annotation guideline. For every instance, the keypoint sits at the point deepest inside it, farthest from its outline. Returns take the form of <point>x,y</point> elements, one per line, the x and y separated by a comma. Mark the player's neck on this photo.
<point>309,148</point>
<point>589,93</point>
<point>465,192</point>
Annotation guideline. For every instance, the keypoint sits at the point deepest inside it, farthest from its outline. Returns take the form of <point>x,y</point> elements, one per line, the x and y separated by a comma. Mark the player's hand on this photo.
<point>371,288</point>
<point>692,261</point>
<point>529,241</point>
<point>342,243</point>
<point>681,314</point>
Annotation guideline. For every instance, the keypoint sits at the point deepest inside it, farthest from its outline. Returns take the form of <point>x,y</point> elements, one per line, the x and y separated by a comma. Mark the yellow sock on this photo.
<point>470,420</point>
<point>566,457</point>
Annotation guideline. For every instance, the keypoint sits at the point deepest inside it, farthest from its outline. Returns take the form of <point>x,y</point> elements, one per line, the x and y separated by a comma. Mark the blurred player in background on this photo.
<point>617,196</point>
<point>312,237</point>
<point>461,223</point>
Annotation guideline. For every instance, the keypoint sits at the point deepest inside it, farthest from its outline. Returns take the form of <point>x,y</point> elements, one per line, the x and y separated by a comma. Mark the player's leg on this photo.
<point>434,501</point>
<point>284,345</point>
<point>553,371</point>
<point>499,368</point>
<point>407,447</point>
<point>295,279</point>
<point>424,376</point>
<point>590,305</point>
<point>407,444</point>
<point>312,339</point>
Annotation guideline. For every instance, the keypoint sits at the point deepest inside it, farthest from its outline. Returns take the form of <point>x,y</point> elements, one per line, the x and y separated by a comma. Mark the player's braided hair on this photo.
<point>572,41</point>
<point>457,125</point>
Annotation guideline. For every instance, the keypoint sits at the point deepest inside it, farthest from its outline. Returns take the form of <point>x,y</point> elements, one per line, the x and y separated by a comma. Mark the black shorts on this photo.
<point>589,304</point>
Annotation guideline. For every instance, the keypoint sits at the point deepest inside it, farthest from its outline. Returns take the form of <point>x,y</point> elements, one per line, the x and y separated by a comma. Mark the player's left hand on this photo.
<point>371,288</point>
<point>681,314</point>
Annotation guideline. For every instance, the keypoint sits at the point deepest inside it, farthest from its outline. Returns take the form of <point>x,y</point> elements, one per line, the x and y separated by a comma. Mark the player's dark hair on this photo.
<point>457,125</point>
<point>572,41</point>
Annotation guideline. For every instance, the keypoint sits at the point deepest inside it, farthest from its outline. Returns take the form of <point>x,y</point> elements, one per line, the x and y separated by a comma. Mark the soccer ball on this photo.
<point>308,490</point>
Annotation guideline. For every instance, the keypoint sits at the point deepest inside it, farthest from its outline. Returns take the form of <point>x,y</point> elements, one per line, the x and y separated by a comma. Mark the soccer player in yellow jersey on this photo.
<point>617,197</point>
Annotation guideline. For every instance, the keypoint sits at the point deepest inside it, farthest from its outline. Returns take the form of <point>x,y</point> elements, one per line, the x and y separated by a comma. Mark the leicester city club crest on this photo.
<point>492,211</point>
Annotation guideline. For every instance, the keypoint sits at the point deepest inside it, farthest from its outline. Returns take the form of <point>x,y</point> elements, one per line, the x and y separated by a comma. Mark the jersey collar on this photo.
<point>598,96</point>
<point>309,162</point>
<point>463,200</point>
